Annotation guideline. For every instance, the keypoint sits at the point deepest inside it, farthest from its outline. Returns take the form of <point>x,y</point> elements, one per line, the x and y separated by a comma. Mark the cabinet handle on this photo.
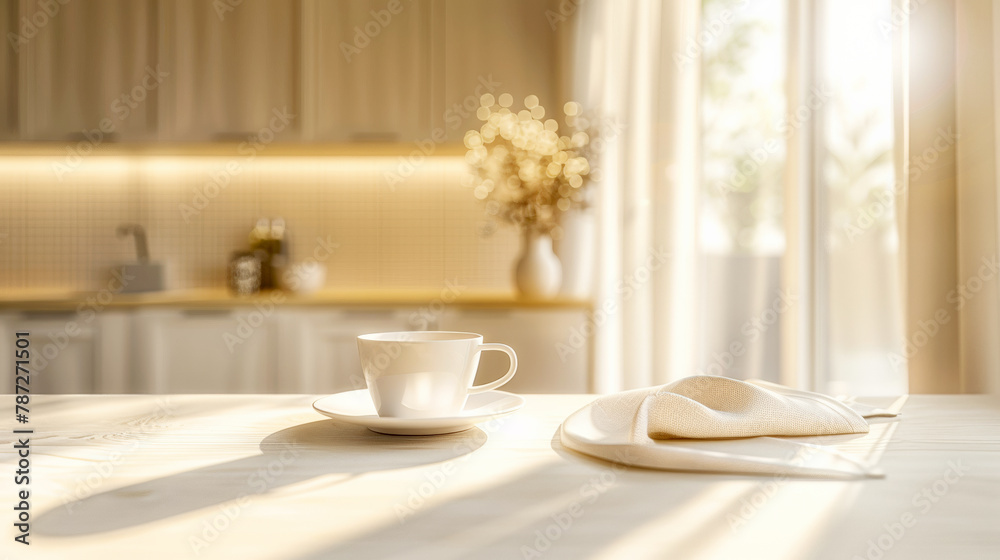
<point>48,314</point>
<point>371,313</point>
<point>232,136</point>
<point>207,312</point>
<point>490,313</point>
<point>81,137</point>
<point>374,137</point>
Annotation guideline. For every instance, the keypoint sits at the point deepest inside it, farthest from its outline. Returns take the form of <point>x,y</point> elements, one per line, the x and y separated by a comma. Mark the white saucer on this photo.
<point>356,407</point>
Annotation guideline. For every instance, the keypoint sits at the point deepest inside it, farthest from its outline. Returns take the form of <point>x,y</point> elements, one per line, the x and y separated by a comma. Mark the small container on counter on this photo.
<point>260,248</point>
<point>268,243</point>
<point>244,273</point>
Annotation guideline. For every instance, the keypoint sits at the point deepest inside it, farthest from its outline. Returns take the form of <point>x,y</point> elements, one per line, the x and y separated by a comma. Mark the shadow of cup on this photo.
<point>289,456</point>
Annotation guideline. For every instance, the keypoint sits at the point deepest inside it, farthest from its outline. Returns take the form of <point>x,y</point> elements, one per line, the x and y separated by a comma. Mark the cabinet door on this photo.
<point>9,71</point>
<point>497,46</point>
<point>318,349</point>
<point>550,359</point>
<point>87,70</point>
<point>114,352</point>
<point>203,351</point>
<point>234,71</point>
<point>368,73</point>
<point>63,349</point>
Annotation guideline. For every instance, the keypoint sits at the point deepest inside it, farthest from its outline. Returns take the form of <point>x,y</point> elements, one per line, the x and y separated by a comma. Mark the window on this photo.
<point>845,117</point>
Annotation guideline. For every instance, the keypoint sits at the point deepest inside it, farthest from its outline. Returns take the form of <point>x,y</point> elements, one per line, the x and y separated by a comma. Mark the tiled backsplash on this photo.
<point>58,231</point>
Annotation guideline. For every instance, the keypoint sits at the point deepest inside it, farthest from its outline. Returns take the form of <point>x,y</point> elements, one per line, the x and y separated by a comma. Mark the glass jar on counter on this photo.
<point>244,273</point>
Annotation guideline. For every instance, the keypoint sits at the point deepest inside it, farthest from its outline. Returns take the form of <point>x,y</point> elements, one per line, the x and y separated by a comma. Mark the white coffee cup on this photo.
<point>425,374</point>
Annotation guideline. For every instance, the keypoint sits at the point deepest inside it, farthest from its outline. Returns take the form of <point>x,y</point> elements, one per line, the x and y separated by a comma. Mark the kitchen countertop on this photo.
<point>49,300</point>
<point>264,476</point>
<point>232,149</point>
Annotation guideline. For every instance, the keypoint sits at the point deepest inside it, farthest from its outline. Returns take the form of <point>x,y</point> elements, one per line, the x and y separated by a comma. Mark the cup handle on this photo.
<point>507,376</point>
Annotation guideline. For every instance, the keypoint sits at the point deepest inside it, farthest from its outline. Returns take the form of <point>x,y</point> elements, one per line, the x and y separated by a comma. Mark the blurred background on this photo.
<point>279,177</point>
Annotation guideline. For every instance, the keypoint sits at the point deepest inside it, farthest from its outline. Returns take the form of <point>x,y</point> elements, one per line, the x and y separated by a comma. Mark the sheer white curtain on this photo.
<point>645,294</point>
<point>638,63</point>
<point>978,178</point>
<point>948,91</point>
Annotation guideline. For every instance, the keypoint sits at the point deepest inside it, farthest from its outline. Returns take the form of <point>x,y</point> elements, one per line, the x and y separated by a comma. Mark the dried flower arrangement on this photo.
<point>526,172</point>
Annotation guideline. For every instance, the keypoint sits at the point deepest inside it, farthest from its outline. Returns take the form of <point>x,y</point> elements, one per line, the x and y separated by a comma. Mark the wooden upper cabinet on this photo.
<point>497,46</point>
<point>369,70</point>
<point>405,71</point>
<point>234,71</point>
<point>264,71</point>
<point>8,71</point>
<point>86,70</point>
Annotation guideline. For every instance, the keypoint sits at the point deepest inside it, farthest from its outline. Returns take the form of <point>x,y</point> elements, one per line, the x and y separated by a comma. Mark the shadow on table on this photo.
<point>555,510</point>
<point>289,456</point>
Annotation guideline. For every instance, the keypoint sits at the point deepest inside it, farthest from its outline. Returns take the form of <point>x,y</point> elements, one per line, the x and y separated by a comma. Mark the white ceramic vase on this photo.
<point>577,251</point>
<point>538,274</point>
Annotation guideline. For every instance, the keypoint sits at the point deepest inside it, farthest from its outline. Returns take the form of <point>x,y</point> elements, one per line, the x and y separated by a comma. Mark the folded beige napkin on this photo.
<point>708,407</point>
<point>718,424</point>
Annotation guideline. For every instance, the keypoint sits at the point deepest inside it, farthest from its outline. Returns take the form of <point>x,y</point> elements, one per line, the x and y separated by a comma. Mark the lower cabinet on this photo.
<point>318,352</point>
<point>250,349</point>
<point>318,349</point>
<point>203,351</point>
<point>549,359</point>
<point>70,352</point>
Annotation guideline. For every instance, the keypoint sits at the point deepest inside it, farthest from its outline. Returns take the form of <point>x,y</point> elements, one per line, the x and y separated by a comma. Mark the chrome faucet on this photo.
<point>141,247</point>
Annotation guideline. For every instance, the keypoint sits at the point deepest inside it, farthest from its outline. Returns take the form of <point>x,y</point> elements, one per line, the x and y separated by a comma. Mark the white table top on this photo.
<point>264,476</point>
